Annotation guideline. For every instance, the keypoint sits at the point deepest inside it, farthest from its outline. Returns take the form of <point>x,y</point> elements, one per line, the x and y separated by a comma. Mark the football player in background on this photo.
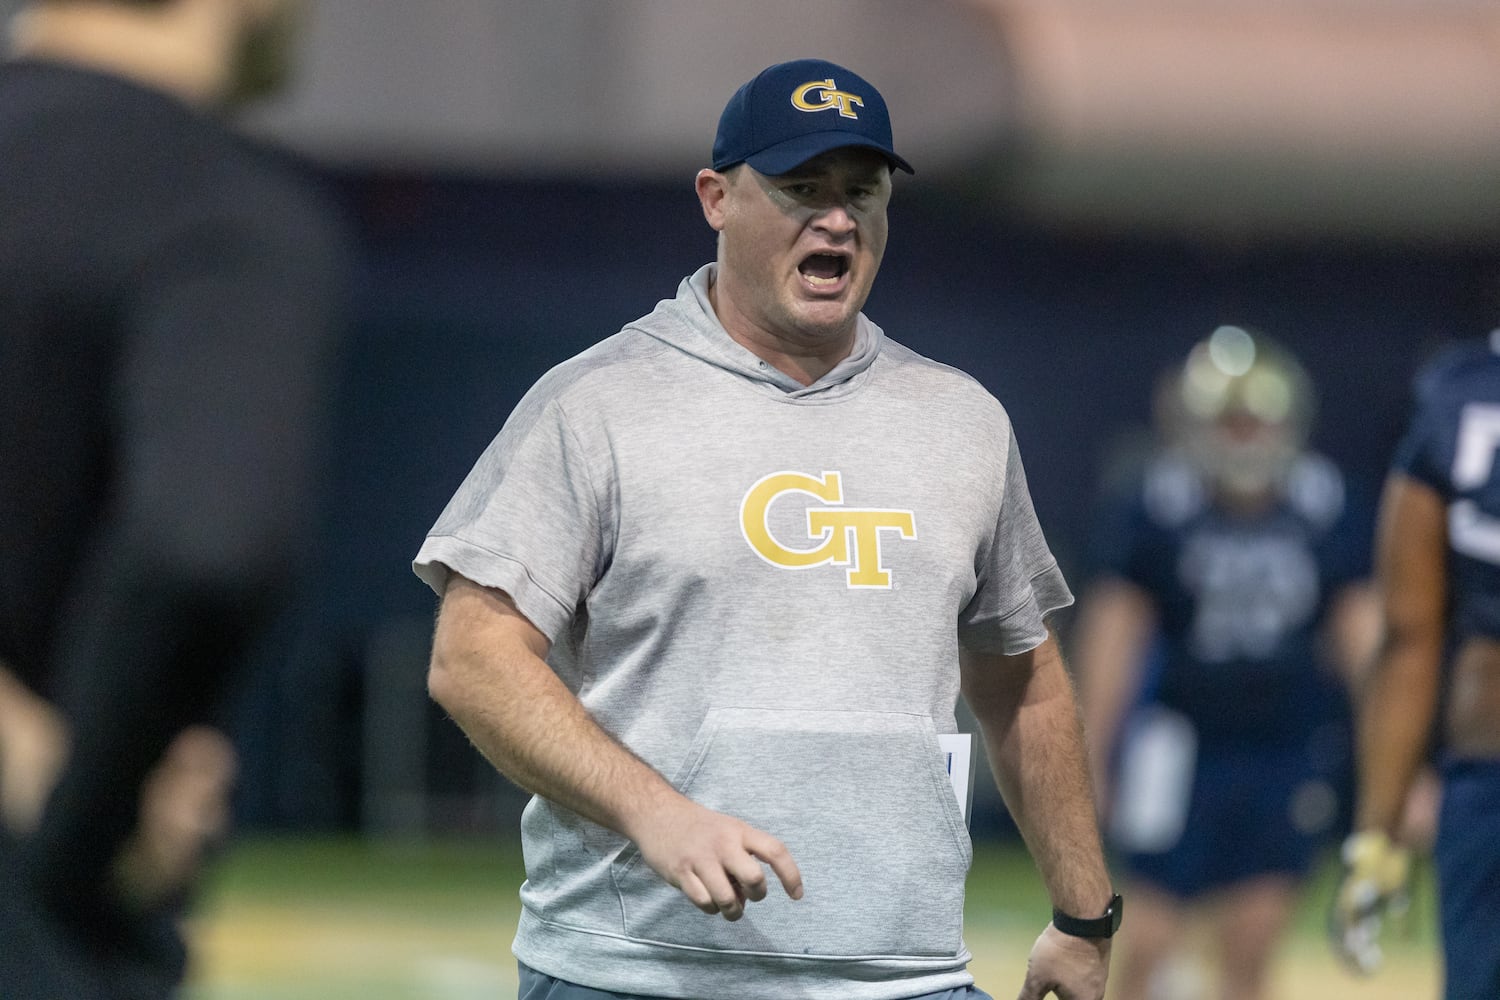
<point>169,295</point>
<point>1230,595</point>
<point>1435,684</point>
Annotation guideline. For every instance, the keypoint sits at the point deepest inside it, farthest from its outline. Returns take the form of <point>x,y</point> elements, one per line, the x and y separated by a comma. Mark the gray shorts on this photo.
<point>538,986</point>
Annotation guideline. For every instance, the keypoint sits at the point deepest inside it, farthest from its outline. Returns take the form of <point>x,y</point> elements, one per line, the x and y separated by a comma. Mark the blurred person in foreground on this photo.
<point>169,293</point>
<point>712,595</point>
<point>1229,567</point>
<point>1435,684</point>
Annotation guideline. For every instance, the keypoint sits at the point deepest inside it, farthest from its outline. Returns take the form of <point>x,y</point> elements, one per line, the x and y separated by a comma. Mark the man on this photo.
<point>1438,574</point>
<point>712,595</point>
<point>168,294</point>
<point>1225,567</point>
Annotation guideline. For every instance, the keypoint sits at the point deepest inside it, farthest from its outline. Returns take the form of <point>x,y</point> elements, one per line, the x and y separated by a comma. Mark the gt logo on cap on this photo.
<point>830,97</point>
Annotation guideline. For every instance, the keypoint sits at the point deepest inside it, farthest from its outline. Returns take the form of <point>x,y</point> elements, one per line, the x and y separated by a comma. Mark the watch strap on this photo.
<point>1095,927</point>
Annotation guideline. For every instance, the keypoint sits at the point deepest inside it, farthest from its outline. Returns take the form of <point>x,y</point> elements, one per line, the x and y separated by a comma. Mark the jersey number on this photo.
<point>1471,531</point>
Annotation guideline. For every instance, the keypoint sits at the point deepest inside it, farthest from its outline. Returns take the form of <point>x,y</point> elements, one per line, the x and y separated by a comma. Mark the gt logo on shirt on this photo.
<point>828,98</point>
<point>845,536</point>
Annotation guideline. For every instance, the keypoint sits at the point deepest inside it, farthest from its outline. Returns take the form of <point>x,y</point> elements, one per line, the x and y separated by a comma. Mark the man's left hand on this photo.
<point>1067,967</point>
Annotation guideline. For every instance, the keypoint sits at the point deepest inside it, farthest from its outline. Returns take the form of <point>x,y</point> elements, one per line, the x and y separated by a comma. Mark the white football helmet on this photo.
<point>1239,408</point>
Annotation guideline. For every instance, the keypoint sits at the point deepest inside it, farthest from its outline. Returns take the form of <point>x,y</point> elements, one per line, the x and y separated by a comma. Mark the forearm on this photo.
<point>1396,711</point>
<point>1044,779</point>
<point>489,671</point>
<point>1115,622</point>
<point>1397,702</point>
<point>1036,748</point>
<point>495,683</point>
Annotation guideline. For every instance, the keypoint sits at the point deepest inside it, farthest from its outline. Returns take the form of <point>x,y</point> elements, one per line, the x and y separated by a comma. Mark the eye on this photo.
<point>800,189</point>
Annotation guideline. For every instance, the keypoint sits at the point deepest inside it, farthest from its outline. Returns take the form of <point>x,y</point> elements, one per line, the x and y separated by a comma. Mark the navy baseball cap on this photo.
<point>795,110</point>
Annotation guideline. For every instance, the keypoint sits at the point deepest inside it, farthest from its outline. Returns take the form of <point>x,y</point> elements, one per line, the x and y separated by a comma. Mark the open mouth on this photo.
<point>823,270</point>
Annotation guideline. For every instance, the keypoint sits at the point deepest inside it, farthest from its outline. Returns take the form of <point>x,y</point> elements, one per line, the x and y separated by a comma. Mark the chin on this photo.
<point>831,314</point>
<point>825,327</point>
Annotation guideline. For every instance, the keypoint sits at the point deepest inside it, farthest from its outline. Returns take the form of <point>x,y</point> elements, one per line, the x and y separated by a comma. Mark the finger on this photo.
<point>724,893</point>
<point>774,853</point>
<point>1030,990</point>
<point>748,876</point>
<point>693,888</point>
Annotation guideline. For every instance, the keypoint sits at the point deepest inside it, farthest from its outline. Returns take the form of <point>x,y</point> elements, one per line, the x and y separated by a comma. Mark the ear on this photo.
<point>713,192</point>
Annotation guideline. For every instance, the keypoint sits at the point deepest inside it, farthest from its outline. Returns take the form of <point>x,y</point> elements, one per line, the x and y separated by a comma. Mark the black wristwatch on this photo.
<point>1098,927</point>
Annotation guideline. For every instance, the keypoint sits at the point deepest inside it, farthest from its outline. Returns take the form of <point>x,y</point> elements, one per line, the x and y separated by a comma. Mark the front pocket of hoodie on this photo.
<point>863,803</point>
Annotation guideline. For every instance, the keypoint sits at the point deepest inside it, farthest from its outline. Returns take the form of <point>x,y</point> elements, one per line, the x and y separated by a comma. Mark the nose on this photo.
<point>835,219</point>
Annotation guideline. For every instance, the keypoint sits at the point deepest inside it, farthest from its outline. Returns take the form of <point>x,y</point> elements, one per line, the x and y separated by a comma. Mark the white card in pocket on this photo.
<point>958,758</point>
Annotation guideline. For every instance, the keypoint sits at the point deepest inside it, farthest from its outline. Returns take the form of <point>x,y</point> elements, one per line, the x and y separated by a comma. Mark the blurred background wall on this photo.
<point>1100,183</point>
<point>1180,115</point>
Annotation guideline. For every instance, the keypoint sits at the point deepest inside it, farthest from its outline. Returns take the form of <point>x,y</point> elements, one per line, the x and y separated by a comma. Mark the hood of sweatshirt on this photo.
<point>689,324</point>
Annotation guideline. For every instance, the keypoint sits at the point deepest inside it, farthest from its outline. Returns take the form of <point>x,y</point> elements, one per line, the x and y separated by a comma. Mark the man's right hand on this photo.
<point>489,671</point>
<point>713,859</point>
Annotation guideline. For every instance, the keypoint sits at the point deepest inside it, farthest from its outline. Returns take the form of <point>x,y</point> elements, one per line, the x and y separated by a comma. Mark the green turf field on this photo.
<point>346,920</point>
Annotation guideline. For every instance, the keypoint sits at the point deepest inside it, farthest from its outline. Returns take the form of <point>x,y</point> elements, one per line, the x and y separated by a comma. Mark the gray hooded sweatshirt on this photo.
<point>761,588</point>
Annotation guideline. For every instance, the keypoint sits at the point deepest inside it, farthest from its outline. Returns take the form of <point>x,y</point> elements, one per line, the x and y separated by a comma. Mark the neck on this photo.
<point>181,48</point>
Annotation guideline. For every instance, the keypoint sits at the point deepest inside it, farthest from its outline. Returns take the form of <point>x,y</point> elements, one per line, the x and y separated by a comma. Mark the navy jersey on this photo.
<point>1240,600</point>
<point>1451,446</point>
